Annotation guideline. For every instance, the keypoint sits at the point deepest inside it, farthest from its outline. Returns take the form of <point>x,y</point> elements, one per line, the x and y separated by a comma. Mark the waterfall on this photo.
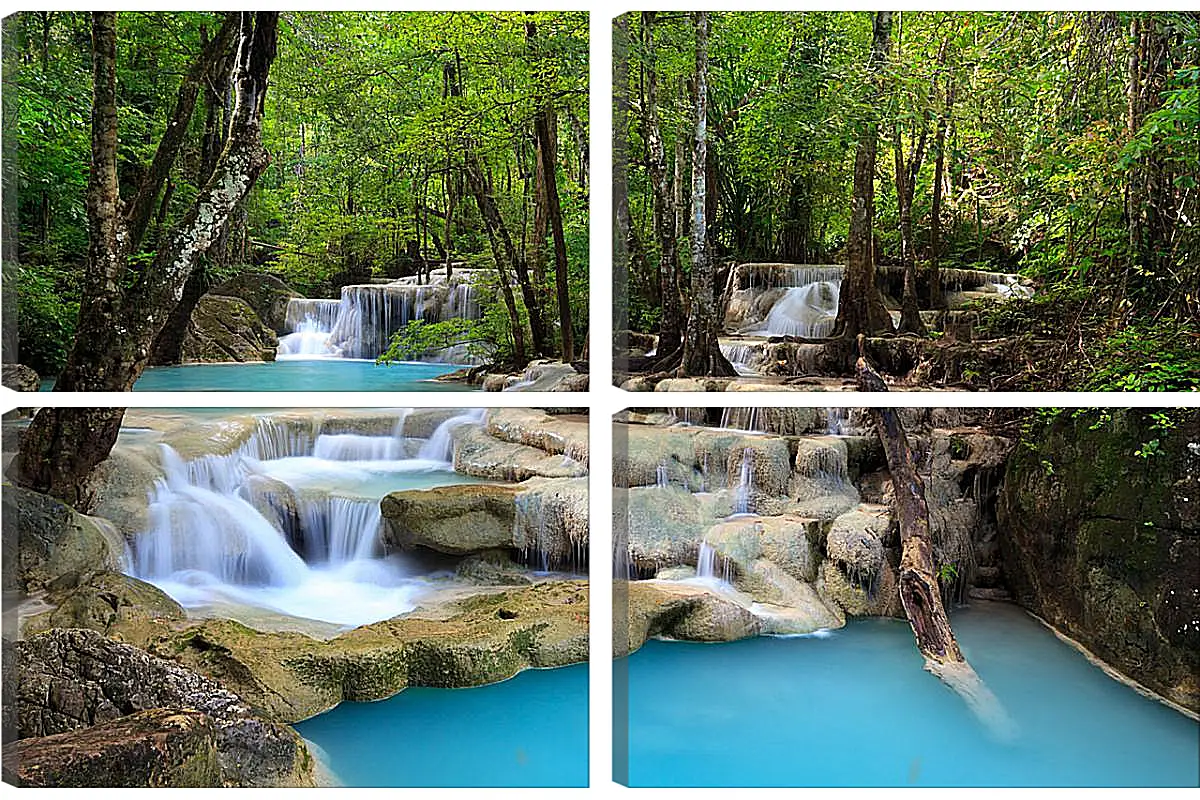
<point>362,322</point>
<point>837,421</point>
<point>260,527</point>
<point>338,530</point>
<point>662,479</point>
<point>440,446</point>
<point>707,564</point>
<point>807,311</point>
<point>743,419</point>
<point>197,524</point>
<point>745,489</point>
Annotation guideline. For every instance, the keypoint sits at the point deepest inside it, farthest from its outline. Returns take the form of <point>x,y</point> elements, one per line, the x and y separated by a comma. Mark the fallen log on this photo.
<point>918,582</point>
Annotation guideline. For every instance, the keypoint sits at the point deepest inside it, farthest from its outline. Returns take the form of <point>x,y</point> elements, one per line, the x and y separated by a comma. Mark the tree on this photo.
<point>117,322</point>
<point>861,309</point>
<point>670,330</point>
<point>701,351</point>
<point>906,178</point>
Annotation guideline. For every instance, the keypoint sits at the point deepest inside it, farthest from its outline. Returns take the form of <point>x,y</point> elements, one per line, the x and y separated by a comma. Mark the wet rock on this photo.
<point>682,611</point>
<point>492,568</point>
<point>547,515</point>
<point>226,329</point>
<point>50,545</point>
<point>20,378</point>
<point>854,542</point>
<point>1096,542</point>
<point>552,434</point>
<point>70,680</point>
<point>267,295</point>
<point>161,747</point>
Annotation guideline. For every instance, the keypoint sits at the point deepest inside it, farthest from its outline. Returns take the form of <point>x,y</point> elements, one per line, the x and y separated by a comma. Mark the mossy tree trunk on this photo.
<point>118,323</point>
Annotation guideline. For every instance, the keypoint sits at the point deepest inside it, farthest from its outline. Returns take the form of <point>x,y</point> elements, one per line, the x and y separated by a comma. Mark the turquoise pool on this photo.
<point>857,709</point>
<point>531,730</point>
<point>298,375</point>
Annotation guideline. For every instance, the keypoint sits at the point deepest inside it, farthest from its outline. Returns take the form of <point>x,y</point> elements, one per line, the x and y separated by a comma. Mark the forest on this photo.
<point>993,200</point>
<point>394,145</point>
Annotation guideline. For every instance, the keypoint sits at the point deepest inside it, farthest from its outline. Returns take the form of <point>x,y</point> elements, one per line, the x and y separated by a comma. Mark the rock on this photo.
<point>1100,542</point>
<point>491,568</point>
<point>881,597</point>
<point>854,543</point>
<point>682,611</point>
<point>552,434</point>
<point>785,541</point>
<point>267,295</point>
<point>70,679</point>
<point>693,384</point>
<point>482,455</point>
<point>665,527</point>
<point>547,376</point>
<point>50,545</point>
<point>226,329</point>
<point>105,600</point>
<point>460,519</point>
<point>458,641</point>
<point>539,516</point>
<point>20,378</point>
<point>422,422</point>
<point>162,747</point>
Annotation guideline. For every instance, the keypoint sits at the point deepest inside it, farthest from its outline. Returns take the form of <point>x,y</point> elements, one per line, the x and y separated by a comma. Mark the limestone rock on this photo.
<point>226,329</point>
<point>553,434</point>
<point>483,455</point>
<point>20,378</point>
<point>105,600</point>
<point>264,293</point>
<point>50,545</point>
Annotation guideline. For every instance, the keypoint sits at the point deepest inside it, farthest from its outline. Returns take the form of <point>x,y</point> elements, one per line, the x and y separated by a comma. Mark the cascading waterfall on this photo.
<point>662,478</point>
<point>711,566</point>
<point>250,528</point>
<point>807,311</point>
<point>440,446</point>
<point>361,324</point>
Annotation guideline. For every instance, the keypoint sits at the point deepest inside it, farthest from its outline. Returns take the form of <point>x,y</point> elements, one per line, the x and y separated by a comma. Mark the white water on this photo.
<point>440,446</point>
<point>289,522</point>
<point>808,311</point>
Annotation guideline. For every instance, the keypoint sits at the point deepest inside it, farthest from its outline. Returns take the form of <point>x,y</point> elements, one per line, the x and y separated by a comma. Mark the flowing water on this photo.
<point>530,730</point>
<point>290,523</point>
<point>854,707</point>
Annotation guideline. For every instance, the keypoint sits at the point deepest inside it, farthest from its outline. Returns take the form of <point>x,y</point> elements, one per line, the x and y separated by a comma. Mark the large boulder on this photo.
<point>481,454</point>
<point>20,378</point>
<point>267,295</point>
<point>50,545</point>
<point>666,524</point>
<point>161,747</point>
<point>105,600</point>
<point>71,679</point>
<point>542,518</point>
<point>555,434</point>
<point>226,329</point>
<point>1100,533</point>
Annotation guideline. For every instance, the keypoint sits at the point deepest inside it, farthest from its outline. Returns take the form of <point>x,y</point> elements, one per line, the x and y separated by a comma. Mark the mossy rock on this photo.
<point>266,294</point>
<point>226,329</point>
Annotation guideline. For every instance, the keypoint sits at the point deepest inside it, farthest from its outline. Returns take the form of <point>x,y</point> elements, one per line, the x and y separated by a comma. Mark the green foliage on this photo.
<point>947,573</point>
<point>47,306</point>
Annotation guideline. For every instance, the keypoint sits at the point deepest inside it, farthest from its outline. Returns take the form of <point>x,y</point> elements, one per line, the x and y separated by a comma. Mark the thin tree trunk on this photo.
<point>117,326</point>
<point>910,310</point>
<point>701,351</point>
<point>861,309</point>
<point>502,249</point>
<point>546,152</point>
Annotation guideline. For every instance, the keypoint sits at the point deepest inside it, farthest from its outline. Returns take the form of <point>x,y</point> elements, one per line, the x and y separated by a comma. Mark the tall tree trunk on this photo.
<point>701,352</point>
<point>546,152</point>
<point>861,309</point>
<point>910,309</point>
<point>117,326</point>
<point>502,248</point>
<point>937,298</point>
<point>622,223</point>
<point>670,329</point>
<point>1148,217</point>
